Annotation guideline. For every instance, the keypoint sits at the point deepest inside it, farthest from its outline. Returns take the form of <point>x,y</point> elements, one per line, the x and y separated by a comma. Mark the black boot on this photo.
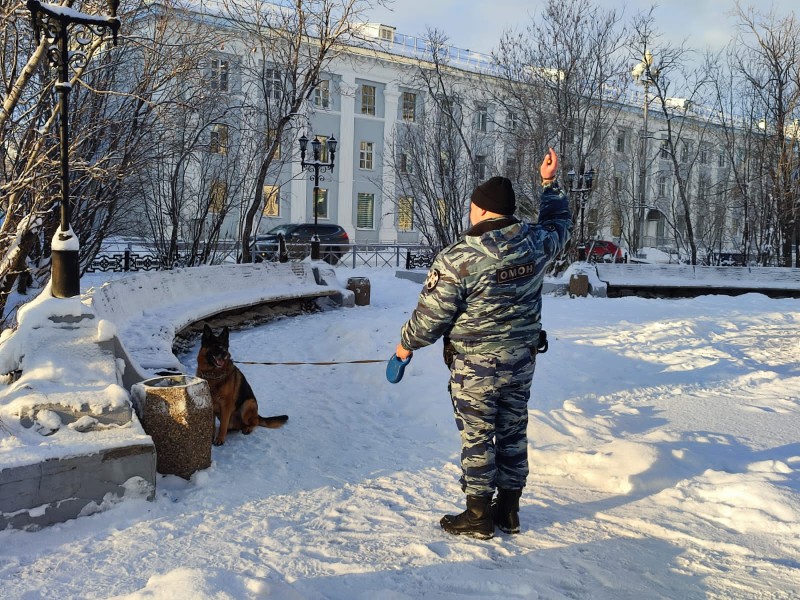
<point>505,510</point>
<point>476,521</point>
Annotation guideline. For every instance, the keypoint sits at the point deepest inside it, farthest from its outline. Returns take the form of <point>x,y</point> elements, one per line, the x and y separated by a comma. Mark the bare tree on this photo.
<point>561,82</point>
<point>297,43</point>
<point>765,68</point>
<point>440,155</point>
<point>685,144</point>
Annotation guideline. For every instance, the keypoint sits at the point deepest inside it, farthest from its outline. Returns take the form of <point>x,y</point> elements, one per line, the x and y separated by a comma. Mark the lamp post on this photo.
<point>67,32</point>
<point>645,74</point>
<point>581,187</point>
<point>316,166</point>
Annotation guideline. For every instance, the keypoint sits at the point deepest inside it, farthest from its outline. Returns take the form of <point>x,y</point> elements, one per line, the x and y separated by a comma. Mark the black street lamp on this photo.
<point>315,167</point>
<point>582,189</point>
<point>646,74</point>
<point>54,24</point>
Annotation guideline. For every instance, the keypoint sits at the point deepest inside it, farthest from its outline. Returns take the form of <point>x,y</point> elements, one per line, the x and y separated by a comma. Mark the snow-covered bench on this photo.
<point>149,309</point>
<point>688,280</point>
<point>69,442</point>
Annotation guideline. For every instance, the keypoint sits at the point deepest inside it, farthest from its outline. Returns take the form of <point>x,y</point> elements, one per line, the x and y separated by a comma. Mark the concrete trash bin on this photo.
<point>579,285</point>
<point>176,411</point>
<point>361,288</point>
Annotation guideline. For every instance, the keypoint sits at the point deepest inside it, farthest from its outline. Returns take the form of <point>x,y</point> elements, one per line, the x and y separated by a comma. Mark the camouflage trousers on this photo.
<point>490,394</point>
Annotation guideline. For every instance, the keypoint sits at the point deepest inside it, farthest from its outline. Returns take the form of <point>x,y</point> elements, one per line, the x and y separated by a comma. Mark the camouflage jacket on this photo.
<point>484,292</point>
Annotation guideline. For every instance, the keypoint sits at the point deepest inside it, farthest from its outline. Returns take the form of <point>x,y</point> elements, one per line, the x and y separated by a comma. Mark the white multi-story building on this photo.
<point>366,92</point>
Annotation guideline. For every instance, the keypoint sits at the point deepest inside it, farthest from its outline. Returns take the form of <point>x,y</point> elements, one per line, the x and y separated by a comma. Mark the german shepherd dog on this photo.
<point>234,402</point>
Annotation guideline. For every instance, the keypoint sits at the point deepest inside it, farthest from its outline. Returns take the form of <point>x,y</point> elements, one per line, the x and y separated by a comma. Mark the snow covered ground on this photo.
<point>665,463</point>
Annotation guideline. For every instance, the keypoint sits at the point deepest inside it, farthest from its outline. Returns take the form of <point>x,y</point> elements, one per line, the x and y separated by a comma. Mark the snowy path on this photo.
<point>665,458</point>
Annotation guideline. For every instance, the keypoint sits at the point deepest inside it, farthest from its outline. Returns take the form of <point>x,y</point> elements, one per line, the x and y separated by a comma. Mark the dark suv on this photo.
<point>334,242</point>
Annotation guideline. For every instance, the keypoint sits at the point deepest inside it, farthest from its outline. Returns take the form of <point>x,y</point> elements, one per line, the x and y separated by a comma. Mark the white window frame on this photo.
<point>323,148</point>
<point>405,213</point>
<point>322,94</point>
<point>321,200</point>
<point>368,198</point>
<point>218,139</point>
<point>512,121</point>
<point>272,197</point>
<point>406,166</point>
<point>621,143</point>
<point>366,156</point>
<point>409,107</point>
<point>480,167</point>
<point>273,83</point>
<point>220,74</point>
<point>482,118</point>
<point>369,94</point>
<point>217,196</point>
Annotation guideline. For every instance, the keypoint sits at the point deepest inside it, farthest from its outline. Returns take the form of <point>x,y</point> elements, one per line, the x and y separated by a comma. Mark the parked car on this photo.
<point>334,242</point>
<point>604,251</point>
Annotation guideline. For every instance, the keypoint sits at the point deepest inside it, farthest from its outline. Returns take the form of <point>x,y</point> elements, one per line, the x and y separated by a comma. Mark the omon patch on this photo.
<point>515,272</point>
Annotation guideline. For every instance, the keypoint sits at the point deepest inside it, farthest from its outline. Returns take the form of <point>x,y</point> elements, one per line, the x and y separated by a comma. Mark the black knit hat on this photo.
<point>496,195</point>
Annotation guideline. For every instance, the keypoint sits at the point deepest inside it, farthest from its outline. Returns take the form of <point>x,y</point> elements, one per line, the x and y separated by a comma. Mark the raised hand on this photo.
<point>549,166</point>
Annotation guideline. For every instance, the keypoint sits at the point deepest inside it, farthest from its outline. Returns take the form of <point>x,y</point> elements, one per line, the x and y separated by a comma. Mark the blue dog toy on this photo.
<point>395,368</point>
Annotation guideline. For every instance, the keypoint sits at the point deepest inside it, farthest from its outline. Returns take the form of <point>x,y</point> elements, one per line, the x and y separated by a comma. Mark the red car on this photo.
<point>604,251</point>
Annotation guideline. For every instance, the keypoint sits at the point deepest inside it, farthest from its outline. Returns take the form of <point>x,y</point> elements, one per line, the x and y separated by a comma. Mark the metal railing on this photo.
<point>392,255</point>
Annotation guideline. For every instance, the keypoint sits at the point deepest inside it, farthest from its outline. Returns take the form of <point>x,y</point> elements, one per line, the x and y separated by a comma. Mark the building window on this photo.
<point>664,150</point>
<point>511,166</point>
<point>685,152</point>
<point>616,222</point>
<point>217,197</point>
<point>617,185</point>
<point>721,159</point>
<point>622,140</point>
<point>321,203</point>
<point>323,147</point>
<point>512,121</point>
<point>220,70</point>
<point>366,207</point>
<point>480,167</point>
<point>662,185</point>
<point>409,107</point>
<point>482,118</point>
<point>406,167</point>
<point>368,100</point>
<point>322,94</point>
<point>444,163</point>
<point>405,213</point>
<point>365,156</point>
<point>273,84</point>
<point>271,135</point>
<point>441,209</point>
<point>386,33</point>
<point>218,142</point>
<point>272,205</point>
<point>704,157</point>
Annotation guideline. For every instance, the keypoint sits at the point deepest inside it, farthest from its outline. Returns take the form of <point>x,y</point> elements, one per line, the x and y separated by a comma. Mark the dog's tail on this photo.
<point>272,422</point>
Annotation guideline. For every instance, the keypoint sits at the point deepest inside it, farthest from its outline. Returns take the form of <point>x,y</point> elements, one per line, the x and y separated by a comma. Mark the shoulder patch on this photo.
<point>515,272</point>
<point>433,279</point>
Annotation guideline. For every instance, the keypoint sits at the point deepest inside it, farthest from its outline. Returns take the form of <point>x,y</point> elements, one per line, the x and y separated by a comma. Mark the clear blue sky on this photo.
<point>478,24</point>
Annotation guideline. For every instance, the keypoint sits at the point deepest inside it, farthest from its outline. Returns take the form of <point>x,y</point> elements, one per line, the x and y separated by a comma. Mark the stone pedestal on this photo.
<point>176,411</point>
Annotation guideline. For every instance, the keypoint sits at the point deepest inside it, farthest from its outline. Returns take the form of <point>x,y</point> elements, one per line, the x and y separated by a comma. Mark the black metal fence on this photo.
<point>356,255</point>
<point>129,261</point>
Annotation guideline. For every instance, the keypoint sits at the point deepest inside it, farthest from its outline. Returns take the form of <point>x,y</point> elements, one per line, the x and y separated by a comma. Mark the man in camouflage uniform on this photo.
<point>484,295</point>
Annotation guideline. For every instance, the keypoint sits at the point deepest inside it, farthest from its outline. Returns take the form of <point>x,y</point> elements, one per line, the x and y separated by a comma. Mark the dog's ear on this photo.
<point>208,335</point>
<point>223,337</point>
